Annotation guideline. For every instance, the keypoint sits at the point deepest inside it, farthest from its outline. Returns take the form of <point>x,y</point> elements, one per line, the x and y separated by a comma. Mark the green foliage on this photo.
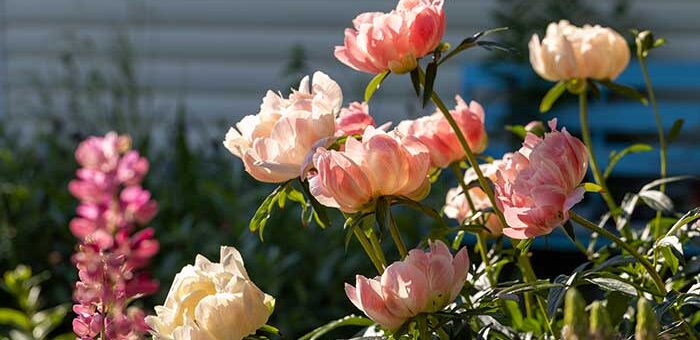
<point>29,321</point>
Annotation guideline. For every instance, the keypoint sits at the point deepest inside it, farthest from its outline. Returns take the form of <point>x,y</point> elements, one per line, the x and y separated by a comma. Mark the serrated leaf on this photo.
<point>552,95</point>
<point>350,320</point>
<point>657,200</point>
<point>374,84</point>
<point>675,130</point>
<point>415,80</point>
<point>625,91</point>
<point>430,75</point>
<point>617,156</point>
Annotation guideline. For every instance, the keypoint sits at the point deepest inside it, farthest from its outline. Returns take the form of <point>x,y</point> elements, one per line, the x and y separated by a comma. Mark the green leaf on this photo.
<point>614,285</point>
<point>592,187</point>
<point>496,46</point>
<point>529,287</point>
<point>257,223</point>
<point>617,306</point>
<point>13,317</point>
<point>625,91</point>
<point>672,251</point>
<point>350,320</point>
<point>675,130</point>
<point>670,258</point>
<point>47,320</point>
<point>374,84</point>
<point>517,130</point>
<point>524,245</point>
<point>415,80</point>
<point>657,200</point>
<point>615,157</point>
<point>470,42</point>
<point>666,180</point>
<point>320,214</point>
<point>430,74</point>
<point>569,230</point>
<point>552,95</point>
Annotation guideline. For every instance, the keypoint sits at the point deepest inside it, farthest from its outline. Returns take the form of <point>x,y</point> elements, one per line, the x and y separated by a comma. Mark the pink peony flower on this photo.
<point>457,206</point>
<point>437,134</point>
<point>424,282</point>
<point>537,185</point>
<point>274,143</point>
<point>393,41</point>
<point>381,164</point>
<point>353,120</point>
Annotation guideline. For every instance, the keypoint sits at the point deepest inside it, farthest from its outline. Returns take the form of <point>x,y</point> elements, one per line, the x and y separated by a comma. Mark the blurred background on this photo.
<point>176,74</point>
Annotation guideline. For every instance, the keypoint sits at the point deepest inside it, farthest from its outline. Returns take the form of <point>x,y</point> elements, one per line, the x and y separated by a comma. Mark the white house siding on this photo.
<point>220,56</point>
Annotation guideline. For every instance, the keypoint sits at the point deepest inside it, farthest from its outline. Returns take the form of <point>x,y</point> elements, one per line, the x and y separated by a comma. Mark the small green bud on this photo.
<point>601,327</point>
<point>575,320</point>
<point>576,86</point>
<point>644,41</point>
<point>647,325</point>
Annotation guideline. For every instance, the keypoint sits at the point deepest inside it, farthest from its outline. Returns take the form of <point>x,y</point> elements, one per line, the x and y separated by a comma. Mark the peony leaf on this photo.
<point>614,285</point>
<point>350,320</point>
<point>374,85</point>
<point>12,317</point>
<point>430,74</point>
<point>517,130</point>
<point>257,223</point>
<point>675,130</point>
<point>552,95</point>
<point>415,80</point>
<point>615,157</point>
<point>625,91</point>
<point>657,200</point>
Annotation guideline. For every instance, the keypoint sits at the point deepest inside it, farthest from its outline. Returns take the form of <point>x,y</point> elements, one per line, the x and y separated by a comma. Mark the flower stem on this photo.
<point>529,276</point>
<point>359,234</point>
<point>663,147</point>
<point>586,134</point>
<point>642,260</point>
<point>376,245</point>
<point>470,156</point>
<point>396,235</point>
<point>483,251</point>
<point>612,237</point>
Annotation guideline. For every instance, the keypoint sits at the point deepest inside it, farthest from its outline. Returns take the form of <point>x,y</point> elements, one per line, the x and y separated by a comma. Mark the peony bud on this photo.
<point>601,327</point>
<point>575,320</point>
<point>647,325</point>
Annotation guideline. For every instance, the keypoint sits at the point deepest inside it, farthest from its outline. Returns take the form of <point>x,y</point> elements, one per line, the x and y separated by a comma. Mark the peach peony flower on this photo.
<point>570,52</point>
<point>457,206</point>
<point>274,143</point>
<point>353,120</point>
<point>537,185</point>
<point>424,282</point>
<point>212,301</point>
<point>381,164</point>
<point>437,134</point>
<point>393,41</point>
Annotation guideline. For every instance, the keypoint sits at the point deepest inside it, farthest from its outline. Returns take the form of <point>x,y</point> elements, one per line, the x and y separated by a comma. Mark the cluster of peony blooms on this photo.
<point>112,253</point>
<point>349,163</point>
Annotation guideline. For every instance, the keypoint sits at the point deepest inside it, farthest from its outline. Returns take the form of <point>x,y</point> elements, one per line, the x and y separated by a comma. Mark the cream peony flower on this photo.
<point>212,301</point>
<point>569,52</point>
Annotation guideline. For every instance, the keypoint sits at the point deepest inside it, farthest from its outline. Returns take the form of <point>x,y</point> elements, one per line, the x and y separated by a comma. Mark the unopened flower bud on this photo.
<point>575,322</point>
<point>600,325</point>
<point>647,325</point>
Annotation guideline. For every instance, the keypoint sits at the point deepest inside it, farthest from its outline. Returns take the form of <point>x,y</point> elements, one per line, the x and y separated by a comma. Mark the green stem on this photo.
<point>396,236</point>
<point>467,150</point>
<point>359,234</point>
<point>663,147</point>
<point>529,276</point>
<point>483,251</point>
<point>376,245</point>
<point>612,237</point>
<point>597,175</point>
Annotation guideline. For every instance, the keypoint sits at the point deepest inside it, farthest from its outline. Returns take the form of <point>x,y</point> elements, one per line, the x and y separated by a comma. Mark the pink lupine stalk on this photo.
<point>111,254</point>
